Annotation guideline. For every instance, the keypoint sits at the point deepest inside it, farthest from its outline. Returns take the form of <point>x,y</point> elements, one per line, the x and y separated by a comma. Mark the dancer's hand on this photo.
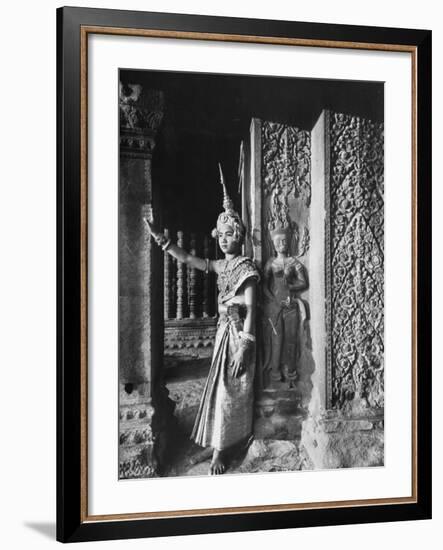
<point>151,226</point>
<point>157,235</point>
<point>239,363</point>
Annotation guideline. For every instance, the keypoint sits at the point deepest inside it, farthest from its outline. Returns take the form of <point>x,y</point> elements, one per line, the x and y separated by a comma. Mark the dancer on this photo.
<point>225,415</point>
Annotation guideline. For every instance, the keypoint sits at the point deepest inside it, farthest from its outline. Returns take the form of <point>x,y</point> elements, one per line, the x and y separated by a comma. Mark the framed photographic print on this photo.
<point>244,274</point>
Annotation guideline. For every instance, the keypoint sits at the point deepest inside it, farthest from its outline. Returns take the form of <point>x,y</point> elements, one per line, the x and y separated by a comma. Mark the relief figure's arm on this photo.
<point>296,279</point>
<point>267,280</point>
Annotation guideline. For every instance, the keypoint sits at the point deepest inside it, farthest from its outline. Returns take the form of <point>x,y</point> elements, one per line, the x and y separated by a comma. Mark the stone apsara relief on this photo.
<point>286,175</point>
<point>356,261</point>
<point>286,183</point>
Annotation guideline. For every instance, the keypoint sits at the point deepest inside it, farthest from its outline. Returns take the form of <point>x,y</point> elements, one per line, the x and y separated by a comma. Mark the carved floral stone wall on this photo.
<point>344,426</point>
<point>284,157</point>
<point>286,184</point>
<point>355,262</point>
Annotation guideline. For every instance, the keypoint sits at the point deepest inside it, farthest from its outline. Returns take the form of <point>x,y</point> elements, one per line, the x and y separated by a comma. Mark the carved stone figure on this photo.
<point>284,312</point>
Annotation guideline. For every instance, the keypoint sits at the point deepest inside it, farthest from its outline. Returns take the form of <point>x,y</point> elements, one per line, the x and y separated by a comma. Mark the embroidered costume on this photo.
<point>224,417</point>
<point>225,414</point>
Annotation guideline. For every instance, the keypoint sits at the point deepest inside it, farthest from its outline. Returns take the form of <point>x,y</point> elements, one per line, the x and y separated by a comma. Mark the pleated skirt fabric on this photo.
<point>225,414</point>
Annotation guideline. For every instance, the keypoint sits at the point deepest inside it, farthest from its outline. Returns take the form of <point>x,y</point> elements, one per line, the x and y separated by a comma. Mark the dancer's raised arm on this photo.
<point>179,253</point>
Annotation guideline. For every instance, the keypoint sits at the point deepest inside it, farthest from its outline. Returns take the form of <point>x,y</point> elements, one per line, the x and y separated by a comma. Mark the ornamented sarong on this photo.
<point>225,414</point>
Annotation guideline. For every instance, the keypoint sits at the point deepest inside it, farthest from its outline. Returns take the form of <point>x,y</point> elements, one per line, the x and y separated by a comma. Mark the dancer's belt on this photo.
<point>233,312</point>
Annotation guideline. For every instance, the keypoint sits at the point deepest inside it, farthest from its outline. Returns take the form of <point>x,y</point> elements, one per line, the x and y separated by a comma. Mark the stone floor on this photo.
<point>185,382</point>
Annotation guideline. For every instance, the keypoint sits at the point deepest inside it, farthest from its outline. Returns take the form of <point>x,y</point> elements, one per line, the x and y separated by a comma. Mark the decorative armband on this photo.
<point>246,336</point>
<point>247,341</point>
<point>166,245</point>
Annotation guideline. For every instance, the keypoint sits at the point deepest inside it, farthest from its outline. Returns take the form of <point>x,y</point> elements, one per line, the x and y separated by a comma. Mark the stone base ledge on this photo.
<point>333,440</point>
<point>278,415</point>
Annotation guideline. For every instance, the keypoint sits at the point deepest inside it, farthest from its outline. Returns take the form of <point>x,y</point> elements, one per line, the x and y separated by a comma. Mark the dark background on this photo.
<point>207,116</point>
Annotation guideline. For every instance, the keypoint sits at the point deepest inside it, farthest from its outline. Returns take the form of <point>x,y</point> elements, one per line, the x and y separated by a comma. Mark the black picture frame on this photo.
<point>72,522</point>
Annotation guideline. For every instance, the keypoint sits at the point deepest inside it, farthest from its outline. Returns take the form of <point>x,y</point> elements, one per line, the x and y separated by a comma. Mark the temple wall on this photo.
<point>280,190</point>
<point>345,422</point>
<point>145,413</point>
<point>326,186</point>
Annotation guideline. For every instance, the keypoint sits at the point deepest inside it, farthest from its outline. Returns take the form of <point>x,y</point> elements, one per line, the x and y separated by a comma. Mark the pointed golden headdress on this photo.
<point>229,216</point>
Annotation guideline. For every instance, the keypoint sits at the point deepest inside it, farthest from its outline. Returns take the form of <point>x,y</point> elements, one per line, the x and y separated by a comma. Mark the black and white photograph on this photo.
<point>219,319</point>
<point>251,274</point>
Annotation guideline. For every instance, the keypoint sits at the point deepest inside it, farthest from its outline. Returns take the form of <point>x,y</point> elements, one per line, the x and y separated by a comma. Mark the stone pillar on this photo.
<point>167,281</point>
<point>255,191</point>
<point>146,413</point>
<point>192,281</point>
<point>181,281</point>
<point>344,425</point>
<point>206,280</point>
<point>317,406</point>
<point>173,294</point>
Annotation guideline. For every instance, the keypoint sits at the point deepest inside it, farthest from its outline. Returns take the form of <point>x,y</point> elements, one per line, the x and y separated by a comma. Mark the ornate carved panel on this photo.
<point>130,469</point>
<point>140,109</point>
<point>355,261</point>
<point>286,181</point>
<point>193,338</point>
<point>141,113</point>
<point>285,155</point>
<point>286,160</point>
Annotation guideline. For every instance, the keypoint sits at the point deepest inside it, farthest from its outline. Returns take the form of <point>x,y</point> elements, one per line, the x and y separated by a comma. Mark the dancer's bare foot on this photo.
<point>201,456</point>
<point>217,466</point>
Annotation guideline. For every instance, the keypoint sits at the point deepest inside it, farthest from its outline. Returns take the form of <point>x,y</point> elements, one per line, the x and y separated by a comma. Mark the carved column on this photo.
<point>345,422</point>
<point>255,191</point>
<point>167,281</point>
<point>173,293</point>
<point>192,279</point>
<point>206,280</point>
<point>145,410</point>
<point>181,281</point>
